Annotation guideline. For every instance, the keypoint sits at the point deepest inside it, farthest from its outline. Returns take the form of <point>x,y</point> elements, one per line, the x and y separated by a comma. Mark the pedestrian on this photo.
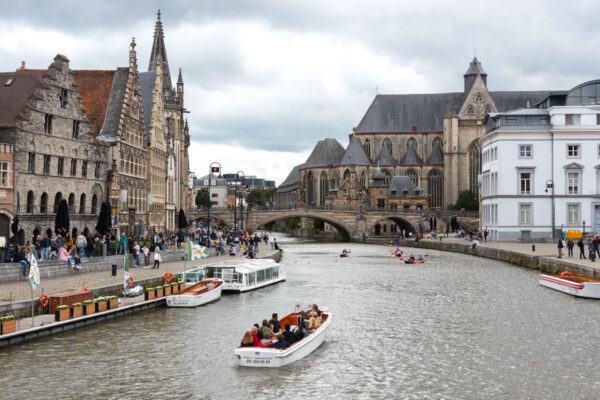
<point>485,235</point>
<point>90,246</point>
<point>596,243</point>
<point>560,247</point>
<point>275,245</point>
<point>136,253</point>
<point>81,244</point>
<point>157,258</point>
<point>591,252</point>
<point>146,251</point>
<point>570,245</point>
<point>37,243</point>
<point>256,241</point>
<point>45,244</point>
<point>581,246</point>
<point>123,243</point>
<point>403,233</point>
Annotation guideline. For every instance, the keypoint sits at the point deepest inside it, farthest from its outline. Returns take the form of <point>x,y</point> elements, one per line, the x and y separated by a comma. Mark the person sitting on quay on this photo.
<point>280,343</point>
<point>275,322</point>
<point>45,245</point>
<point>289,336</point>
<point>232,251</point>
<point>81,244</point>
<point>24,259</point>
<point>90,246</point>
<point>247,340</point>
<point>275,245</point>
<point>71,257</point>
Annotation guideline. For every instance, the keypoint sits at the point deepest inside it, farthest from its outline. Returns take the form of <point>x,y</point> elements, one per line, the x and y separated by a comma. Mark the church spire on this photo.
<point>159,52</point>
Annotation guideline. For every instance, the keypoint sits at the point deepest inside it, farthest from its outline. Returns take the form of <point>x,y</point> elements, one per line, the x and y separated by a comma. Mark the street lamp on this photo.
<point>550,185</point>
<point>213,168</point>
<point>237,174</point>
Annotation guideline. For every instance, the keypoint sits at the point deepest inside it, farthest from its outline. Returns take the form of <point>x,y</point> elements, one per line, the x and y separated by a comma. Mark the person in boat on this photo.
<point>411,258</point>
<point>289,336</point>
<point>255,338</point>
<point>344,253</point>
<point>300,333</point>
<point>266,341</point>
<point>247,340</point>
<point>314,322</point>
<point>266,327</point>
<point>275,323</point>
<point>280,343</point>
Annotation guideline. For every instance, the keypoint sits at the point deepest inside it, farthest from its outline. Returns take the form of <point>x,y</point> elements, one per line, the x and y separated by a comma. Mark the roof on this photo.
<point>159,52</point>
<point>292,181</point>
<point>355,154</point>
<point>436,156</point>
<point>147,82</point>
<point>219,181</point>
<point>114,109</point>
<point>378,175</point>
<point>401,186</point>
<point>94,88</point>
<point>475,68</point>
<point>411,157</point>
<point>14,96</point>
<point>385,156</point>
<point>506,101</point>
<point>326,152</point>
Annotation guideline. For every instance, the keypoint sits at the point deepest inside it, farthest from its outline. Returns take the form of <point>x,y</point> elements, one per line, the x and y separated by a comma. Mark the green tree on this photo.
<point>257,197</point>
<point>202,198</point>
<point>293,223</point>
<point>467,200</point>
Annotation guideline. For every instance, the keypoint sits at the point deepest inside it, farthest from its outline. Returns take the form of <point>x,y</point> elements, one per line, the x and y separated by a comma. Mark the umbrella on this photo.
<point>61,222</point>
<point>182,221</point>
<point>103,225</point>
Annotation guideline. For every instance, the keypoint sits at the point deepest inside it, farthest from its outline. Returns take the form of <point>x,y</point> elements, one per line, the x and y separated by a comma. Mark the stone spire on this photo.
<point>180,87</point>
<point>475,69</point>
<point>159,52</point>
<point>132,55</point>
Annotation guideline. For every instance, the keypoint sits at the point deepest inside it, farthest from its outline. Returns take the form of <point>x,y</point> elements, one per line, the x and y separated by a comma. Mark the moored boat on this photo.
<point>198,294</point>
<point>273,358</point>
<point>240,275</point>
<point>576,285</point>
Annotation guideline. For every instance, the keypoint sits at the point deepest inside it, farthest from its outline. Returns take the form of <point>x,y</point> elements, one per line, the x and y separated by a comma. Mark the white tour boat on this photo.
<point>239,275</point>
<point>273,358</point>
<point>200,293</point>
<point>576,285</point>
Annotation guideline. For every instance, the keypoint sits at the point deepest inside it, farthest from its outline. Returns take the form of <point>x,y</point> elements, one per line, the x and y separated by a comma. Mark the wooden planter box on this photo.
<point>8,327</point>
<point>62,315</point>
<point>113,304</point>
<point>181,286</point>
<point>159,293</point>
<point>167,290</point>
<point>101,306</point>
<point>76,312</point>
<point>149,295</point>
<point>175,289</point>
<point>89,309</point>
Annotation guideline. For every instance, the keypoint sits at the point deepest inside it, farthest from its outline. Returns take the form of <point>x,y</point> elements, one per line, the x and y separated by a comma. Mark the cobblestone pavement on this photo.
<point>20,290</point>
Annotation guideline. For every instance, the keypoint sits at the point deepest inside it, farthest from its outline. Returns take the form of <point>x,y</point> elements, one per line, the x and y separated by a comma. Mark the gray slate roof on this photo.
<point>385,156</point>
<point>147,81</point>
<point>326,152</point>
<point>411,157</point>
<point>475,68</point>
<point>292,181</point>
<point>436,156</point>
<point>378,175</point>
<point>355,154</point>
<point>401,186</point>
<point>115,103</point>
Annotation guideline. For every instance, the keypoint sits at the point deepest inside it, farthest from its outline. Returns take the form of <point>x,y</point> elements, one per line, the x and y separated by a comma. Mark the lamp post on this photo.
<point>241,197</point>
<point>213,168</point>
<point>550,185</point>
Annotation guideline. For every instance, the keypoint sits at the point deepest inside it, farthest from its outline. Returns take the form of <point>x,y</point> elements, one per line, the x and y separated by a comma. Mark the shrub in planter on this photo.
<point>113,302</point>
<point>149,293</point>
<point>62,313</point>
<point>7,324</point>
<point>174,287</point>
<point>159,291</point>
<point>101,304</point>
<point>76,310</point>
<point>88,307</point>
<point>181,285</point>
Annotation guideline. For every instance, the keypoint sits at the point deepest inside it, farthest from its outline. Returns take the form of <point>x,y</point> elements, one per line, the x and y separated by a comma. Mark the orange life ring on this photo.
<point>130,281</point>
<point>44,300</point>
<point>168,276</point>
<point>565,273</point>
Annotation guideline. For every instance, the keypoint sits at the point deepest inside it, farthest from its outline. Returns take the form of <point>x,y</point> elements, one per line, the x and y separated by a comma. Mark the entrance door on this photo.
<point>377,230</point>
<point>596,218</point>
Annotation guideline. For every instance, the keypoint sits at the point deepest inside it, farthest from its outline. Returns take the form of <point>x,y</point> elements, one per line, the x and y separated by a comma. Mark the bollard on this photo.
<point>533,247</point>
<point>114,270</point>
<point>440,238</point>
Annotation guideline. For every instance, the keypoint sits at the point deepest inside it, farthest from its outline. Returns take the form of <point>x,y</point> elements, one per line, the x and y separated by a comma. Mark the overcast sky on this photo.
<point>265,79</point>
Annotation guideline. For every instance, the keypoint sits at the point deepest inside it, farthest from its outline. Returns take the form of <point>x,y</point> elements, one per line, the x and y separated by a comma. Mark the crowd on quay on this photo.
<point>592,244</point>
<point>271,334</point>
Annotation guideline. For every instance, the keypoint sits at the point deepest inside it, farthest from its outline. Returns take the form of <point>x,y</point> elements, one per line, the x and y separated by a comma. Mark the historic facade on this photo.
<point>56,156</point>
<point>7,154</point>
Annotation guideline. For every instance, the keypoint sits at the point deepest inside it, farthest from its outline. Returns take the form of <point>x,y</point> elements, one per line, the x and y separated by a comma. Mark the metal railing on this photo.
<point>50,209</point>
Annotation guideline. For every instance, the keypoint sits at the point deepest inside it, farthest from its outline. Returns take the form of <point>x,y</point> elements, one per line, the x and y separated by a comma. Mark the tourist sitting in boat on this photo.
<point>266,327</point>
<point>232,251</point>
<point>314,322</point>
<point>280,343</point>
<point>315,308</point>
<point>266,341</point>
<point>247,340</point>
<point>398,252</point>
<point>344,253</point>
<point>289,336</point>
<point>275,323</point>
<point>255,339</point>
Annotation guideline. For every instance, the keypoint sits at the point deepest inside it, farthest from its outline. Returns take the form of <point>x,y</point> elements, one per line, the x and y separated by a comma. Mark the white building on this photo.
<point>218,190</point>
<point>541,167</point>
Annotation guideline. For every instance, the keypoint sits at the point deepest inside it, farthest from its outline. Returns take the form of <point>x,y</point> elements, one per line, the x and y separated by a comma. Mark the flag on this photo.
<point>195,251</point>
<point>126,274</point>
<point>34,272</point>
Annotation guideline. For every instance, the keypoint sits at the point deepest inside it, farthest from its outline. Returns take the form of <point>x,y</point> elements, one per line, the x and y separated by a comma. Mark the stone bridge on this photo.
<point>350,223</point>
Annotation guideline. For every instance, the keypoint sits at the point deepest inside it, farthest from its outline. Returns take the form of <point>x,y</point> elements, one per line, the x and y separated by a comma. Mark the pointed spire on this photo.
<point>159,52</point>
<point>385,156</point>
<point>132,54</point>
<point>355,154</point>
<point>180,78</point>
<point>411,157</point>
<point>475,68</point>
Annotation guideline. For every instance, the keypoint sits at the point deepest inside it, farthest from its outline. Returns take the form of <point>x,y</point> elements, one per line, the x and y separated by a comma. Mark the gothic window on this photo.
<point>44,203</point>
<point>438,142</point>
<point>84,168</point>
<point>323,188</point>
<point>387,143</point>
<point>363,179</point>
<point>64,97</point>
<point>435,188</point>
<point>31,162</point>
<point>82,204</point>
<point>478,98</point>
<point>388,176</point>
<point>30,201</point>
<point>73,167</point>
<point>46,164</point>
<point>488,108</point>
<point>470,110</point>
<point>411,142</point>
<point>75,129</point>
<point>413,176</point>
<point>347,174</point>
<point>474,167</point>
<point>48,124</point>
<point>94,204</point>
<point>61,166</point>
<point>310,188</point>
<point>71,201</point>
<point>367,147</point>
<point>57,200</point>
<point>97,170</point>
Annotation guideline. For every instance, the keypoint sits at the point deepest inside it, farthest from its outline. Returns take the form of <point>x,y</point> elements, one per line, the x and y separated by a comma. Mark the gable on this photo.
<point>478,102</point>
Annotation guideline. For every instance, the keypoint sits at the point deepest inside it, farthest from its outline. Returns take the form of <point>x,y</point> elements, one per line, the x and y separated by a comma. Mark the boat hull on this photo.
<point>238,287</point>
<point>275,358</point>
<point>589,290</point>
<point>188,300</point>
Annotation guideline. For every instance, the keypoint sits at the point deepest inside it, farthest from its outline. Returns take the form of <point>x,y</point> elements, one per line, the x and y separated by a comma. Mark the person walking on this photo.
<point>146,251</point>
<point>596,243</point>
<point>123,243</point>
<point>581,246</point>
<point>570,245</point>
<point>157,258</point>
<point>136,253</point>
<point>45,243</point>
<point>560,247</point>
<point>81,244</point>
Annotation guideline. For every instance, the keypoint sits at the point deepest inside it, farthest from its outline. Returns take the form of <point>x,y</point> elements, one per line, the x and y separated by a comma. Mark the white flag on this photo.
<point>195,251</point>
<point>34,272</point>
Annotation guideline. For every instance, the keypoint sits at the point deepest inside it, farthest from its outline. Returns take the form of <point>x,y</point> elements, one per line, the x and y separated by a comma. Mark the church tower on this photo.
<point>159,52</point>
<point>475,69</point>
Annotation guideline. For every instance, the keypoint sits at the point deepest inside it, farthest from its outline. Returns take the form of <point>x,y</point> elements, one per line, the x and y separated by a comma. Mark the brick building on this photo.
<point>7,151</point>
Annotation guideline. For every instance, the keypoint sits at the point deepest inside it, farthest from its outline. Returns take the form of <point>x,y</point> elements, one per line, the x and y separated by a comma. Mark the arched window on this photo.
<point>470,110</point>
<point>435,188</point>
<point>30,201</point>
<point>387,143</point>
<point>388,176</point>
<point>44,203</point>
<point>310,188</point>
<point>82,204</point>
<point>363,179</point>
<point>474,167</point>
<point>413,176</point>
<point>323,188</point>
<point>367,147</point>
<point>71,203</point>
<point>57,200</point>
<point>438,142</point>
<point>347,174</point>
<point>411,142</point>
<point>94,204</point>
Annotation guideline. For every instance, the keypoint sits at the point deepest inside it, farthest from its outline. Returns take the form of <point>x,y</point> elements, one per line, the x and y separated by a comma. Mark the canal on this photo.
<point>456,327</point>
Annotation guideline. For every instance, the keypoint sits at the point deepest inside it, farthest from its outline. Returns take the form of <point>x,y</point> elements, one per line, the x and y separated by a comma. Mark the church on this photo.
<point>421,148</point>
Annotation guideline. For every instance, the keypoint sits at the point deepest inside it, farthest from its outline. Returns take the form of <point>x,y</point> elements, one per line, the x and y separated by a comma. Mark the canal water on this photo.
<point>456,327</point>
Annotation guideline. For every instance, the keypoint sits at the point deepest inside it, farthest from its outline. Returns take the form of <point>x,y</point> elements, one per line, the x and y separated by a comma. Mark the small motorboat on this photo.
<point>273,358</point>
<point>198,294</point>
<point>414,261</point>
<point>576,285</point>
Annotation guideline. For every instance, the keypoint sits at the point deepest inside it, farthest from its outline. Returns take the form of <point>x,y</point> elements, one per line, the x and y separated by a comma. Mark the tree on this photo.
<point>257,197</point>
<point>293,223</point>
<point>467,200</point>
<point>202,198</point>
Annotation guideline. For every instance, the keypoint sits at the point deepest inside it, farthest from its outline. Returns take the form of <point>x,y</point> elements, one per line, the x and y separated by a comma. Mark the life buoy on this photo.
<point>168,276</point>
<point>130,281</point>
<point>44,300</point>
<point>565,273</point>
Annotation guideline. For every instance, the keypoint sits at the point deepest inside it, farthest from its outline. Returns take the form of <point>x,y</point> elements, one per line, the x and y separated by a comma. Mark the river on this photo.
<point>456,327</point>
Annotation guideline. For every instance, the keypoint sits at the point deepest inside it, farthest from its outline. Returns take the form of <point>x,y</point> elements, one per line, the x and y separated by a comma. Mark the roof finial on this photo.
<point>158,14</point>
<point>132,54</point>
<point>180,79</point>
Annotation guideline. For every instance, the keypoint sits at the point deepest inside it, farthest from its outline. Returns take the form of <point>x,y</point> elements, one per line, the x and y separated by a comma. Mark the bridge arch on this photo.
<point>343,230</point>
<point>401,222</point>
<point>202,219</point>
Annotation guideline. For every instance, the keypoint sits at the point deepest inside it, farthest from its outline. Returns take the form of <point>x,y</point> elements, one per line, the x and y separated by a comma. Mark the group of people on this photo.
<point>270,334</point>
<point>592,243</point>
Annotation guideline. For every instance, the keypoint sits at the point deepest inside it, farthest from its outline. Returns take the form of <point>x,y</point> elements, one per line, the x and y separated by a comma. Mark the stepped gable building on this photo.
<point>430,138</point>
<point>48,152</point>
<point>114,99</point>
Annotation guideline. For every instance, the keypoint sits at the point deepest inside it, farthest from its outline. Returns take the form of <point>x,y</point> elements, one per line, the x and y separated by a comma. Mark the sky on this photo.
<point>264,80</point>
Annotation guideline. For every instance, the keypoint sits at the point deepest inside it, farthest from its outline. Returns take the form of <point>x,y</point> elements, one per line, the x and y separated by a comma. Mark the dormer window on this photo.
<point>63,98</point>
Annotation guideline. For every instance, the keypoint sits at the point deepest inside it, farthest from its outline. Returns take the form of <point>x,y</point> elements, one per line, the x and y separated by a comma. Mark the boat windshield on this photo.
<point>194,276</point>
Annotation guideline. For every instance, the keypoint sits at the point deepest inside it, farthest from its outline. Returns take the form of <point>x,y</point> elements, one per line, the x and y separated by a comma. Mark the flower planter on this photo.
<point>159,293</point>
<point>101,306</point>
<point>175,289</point>
<point>76,312</point>
<point>149,295</point>
<point>7,327</point>
<point>167,290</point>
<point>113,304</point>
<point>62,315</point>
<point>89,309</point>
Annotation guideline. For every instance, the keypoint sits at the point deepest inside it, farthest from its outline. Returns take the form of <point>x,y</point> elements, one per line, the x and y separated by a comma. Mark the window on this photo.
<point>97,170</point>
<point>435,188</point>
<point>46,164</point>
<point>82,204</point>
<point>573,214</point>
<point>573,150</point>
<point>597,119</point>
<point>84,168</point>
<point>411,142</point>
<point>75,129</point>
<point>30,205</point>
<point>572,119</point>
<point>48,124</point>
<point>4,173</point>
<point>94,204</point>
<point>61,166</point>
<point>64,97</point>
<point>387,143</point>
<point>474,167</point>
<point>380,203</point>
<point>573,182</point>
<point>525,151</point>
<point>31,163</point>
<point>73,167</point>
<point>524,214</point>
<point>393,228</point>
<point>367,146</point>
<point>44,203</point>
<point>412,175</point>
<point>525,182</point>
<point>213,195</point>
